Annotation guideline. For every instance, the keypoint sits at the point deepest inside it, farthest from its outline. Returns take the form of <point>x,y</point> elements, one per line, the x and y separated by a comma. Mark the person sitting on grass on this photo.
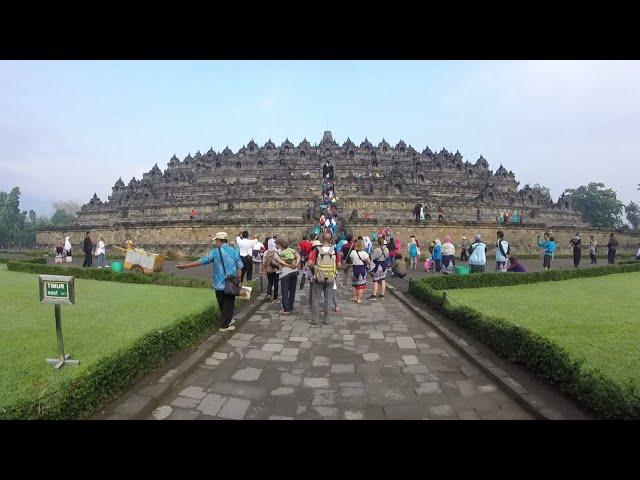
<point>515,265</point>
<point>400,268</point>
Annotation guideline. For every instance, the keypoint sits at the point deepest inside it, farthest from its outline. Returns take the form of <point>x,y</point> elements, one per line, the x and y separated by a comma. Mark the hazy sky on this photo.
<point>69,129</point>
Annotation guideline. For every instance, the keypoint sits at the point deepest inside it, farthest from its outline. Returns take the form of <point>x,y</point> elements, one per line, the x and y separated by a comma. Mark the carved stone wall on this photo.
<point>277,183</point>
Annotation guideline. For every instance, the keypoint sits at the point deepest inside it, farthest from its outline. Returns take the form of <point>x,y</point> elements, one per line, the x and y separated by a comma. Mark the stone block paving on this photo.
<point>375,361</point>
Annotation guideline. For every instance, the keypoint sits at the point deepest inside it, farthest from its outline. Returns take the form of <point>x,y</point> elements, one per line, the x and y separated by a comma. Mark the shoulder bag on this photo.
<point>231,282</point>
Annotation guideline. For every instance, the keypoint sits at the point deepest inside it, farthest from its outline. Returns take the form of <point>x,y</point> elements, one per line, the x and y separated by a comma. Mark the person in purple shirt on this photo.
<point>515,266</point>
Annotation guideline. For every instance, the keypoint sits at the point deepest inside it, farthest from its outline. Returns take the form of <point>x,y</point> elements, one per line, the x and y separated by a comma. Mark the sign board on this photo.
<point>57,289</point>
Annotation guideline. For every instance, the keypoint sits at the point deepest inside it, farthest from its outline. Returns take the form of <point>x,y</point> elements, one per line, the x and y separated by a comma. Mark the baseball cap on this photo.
<point>220,236</point>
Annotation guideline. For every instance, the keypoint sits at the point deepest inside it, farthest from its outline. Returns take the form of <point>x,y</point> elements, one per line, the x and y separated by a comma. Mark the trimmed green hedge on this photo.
<point>37,260</point>
<point>495,279</point>
<point>597,393</point>
<point>112,374</point>
<point>108,275</point>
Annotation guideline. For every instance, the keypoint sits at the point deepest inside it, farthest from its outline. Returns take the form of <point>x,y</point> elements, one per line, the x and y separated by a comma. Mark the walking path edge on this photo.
<point>147,391</point>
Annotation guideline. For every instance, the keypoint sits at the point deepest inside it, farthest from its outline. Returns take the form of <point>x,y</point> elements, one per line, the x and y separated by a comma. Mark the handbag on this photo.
<point>231,282</point>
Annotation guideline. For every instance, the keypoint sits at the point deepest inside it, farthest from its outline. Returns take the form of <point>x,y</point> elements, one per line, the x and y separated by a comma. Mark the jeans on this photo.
<point>101,262</point>
<point>87,259</point>
<point>247,267</point>
<point>477,268</point>
<point>447,260</point>
<point>272,284</point>
<point>226,303</point>
<point>320,288</point>
<point>593,258</point>
<point>438,265</point>
<point>611,256</point>
<point>288,285</point>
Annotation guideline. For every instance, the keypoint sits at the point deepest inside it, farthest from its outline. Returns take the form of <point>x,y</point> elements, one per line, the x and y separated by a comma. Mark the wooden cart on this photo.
<point>141,261</point>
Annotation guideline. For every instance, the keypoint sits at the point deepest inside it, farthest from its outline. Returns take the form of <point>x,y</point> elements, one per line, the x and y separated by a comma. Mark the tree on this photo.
<point>15,230</point>
<point>633,214</point>
<point>599,206</point>
<point>69,207</point>
<point>65,213</point>
<point>544,190</point>
<point>61,219</point>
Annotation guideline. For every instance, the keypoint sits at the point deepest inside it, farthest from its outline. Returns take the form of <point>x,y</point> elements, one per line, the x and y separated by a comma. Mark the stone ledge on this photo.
<point>526,399</point>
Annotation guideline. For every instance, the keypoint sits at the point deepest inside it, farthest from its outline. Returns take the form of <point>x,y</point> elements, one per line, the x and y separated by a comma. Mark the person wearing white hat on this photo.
<point>226,262</point>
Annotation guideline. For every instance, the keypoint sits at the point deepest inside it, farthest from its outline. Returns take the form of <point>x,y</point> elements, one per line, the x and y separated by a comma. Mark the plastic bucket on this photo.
<point>462,270</point>
<point>116,266</point>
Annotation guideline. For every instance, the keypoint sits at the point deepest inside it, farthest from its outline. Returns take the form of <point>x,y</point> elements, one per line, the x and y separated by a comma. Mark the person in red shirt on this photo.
<point>305,249</point>
<point>193,214</point>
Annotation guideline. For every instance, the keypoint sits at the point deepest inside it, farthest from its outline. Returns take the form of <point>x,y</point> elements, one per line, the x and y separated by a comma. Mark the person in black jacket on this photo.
<point>576,243</point>
<point>611,247</point>
<point>86,248</point>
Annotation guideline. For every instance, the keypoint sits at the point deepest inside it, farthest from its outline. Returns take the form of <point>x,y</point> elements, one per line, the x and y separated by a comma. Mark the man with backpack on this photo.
<point>477,255</point>
<point>576,244</point>
<point>324,261</point>
<point>502,251</point>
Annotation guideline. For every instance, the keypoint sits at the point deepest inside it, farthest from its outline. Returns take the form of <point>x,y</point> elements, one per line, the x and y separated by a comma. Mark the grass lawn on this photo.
<point>107,316</point>
<point>597,319</point>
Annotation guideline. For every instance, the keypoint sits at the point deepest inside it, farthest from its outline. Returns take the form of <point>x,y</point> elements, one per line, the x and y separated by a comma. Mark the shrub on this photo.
<point>37,260</point>
<point>495,279</point>
<point>108,275</point>
<point>597,393</point>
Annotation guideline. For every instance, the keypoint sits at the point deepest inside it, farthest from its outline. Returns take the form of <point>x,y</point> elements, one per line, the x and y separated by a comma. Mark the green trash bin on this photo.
<point>116,266</point>
<point>462,270</point>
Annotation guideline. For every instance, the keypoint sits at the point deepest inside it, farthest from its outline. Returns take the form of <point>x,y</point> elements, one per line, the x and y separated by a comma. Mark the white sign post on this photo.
<point>58,290</point>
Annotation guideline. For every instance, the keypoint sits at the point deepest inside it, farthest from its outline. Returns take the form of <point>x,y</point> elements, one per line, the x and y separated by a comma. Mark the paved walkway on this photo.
<point>376,361</point>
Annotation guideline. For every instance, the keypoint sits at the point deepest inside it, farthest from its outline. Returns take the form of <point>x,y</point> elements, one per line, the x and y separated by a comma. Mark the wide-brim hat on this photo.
<point>220,236</point>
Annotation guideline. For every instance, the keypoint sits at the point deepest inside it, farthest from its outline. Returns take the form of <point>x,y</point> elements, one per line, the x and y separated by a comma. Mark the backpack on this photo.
<point>325,266</point>
<point>348,259</point>
<point>270,263</point>
<point>288,255</point>
<point>504,254</point>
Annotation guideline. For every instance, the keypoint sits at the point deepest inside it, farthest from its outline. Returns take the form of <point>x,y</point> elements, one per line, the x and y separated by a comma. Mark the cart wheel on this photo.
<point>137,269</point>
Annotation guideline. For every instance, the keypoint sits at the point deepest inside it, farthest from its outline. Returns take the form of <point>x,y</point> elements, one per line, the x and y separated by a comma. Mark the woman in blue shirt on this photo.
<point>437,255</point>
